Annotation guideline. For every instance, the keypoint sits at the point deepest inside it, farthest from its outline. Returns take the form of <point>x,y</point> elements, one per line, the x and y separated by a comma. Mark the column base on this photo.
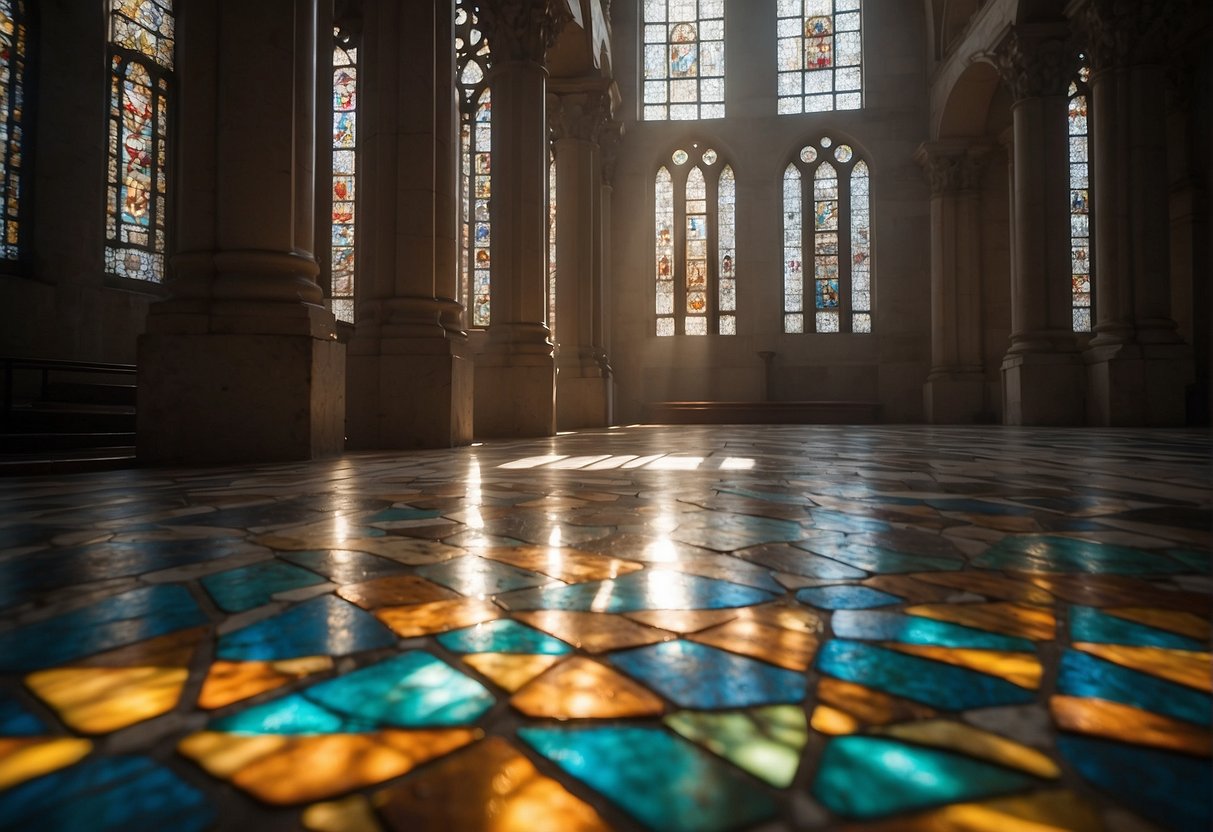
<point>515,393</point>
<point>220,398</point>
<point>1138,385</point>
<point>582,400</point>
<point>954,398</point>
<point>1043,389</point>
<point>416,399</point>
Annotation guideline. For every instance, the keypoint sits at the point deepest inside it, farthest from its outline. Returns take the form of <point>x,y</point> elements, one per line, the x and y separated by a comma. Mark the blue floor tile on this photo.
<point>911,629</point>
<point>695,675</point>
<point>649,589</point>
<point>249,587</point>
<point>1085,675</point>
<point>324,626</point>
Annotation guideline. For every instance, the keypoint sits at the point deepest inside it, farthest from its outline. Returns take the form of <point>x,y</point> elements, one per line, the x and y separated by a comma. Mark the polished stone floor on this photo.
<point>693,628</point>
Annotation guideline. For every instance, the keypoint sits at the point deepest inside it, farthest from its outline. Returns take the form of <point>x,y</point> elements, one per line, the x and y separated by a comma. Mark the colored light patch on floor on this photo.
<point>651,589</point>
<point>927,682</point>
<point>1087,676</point>
<point>99,700</point>
<point>349,814</point>
<point>890,626</point>
<point>112,794</point>
<point>697,676</point>
<point>1046,553</point>
<point>1185,667</point>
<point>845,597</point>
<point>1114,721</point>
<point>396,590</point>
<point>661,780</point>
<point>871,777</point>
<point>438,617</point>
<point>787,648</point>
<point>413,690</point>
<point>321,626</point>
<point>509,671</point>
<point>1183,623</point>
<point>24,758</point>
<point>766,742</point>
<point>684,621</point>
<point>1091,625</point>
<point>1022,669</point>
<point>478,577</point>
<point>344,566</point>
<point>1156,784</point>
<point>594,632</point>
<point>983,745</point>
<point>884,561</point>
<point>990,584</point>
<point>580,688</point>
<point>1031,623</point>
<point>17,721</point>
<point>1121,591</point>
<point>796,561</point>
<point>230,682</point>
<point>502,636</point>
<point>286,770</point>
<point>568,565</point>
<point>1052,811</point>
<point>249,587</point>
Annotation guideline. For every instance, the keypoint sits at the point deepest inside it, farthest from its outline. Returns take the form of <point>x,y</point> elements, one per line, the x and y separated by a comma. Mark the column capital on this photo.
<point>579,114</point>
<point>1038,60</point>
<point>1133,32</point>
<point>523,30</point>
<point>952,167</point>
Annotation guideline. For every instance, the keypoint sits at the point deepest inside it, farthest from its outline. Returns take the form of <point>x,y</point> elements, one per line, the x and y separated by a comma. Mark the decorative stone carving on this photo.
<point>578,115</point>
<point>1128,32</point>
<point>522,30</point>
<point>953,169</point>
<point>1038,61</point>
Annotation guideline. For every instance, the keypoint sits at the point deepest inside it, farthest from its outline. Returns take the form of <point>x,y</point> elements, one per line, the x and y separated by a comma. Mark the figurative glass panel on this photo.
<point>825,247</point>
<point>819,55</point>
<point>861,250</point>
<point>683,54</point>
<point>665,252</point>
<point>793,251</point>
<point>726,248</point>
<point>472,61</point>
<point>1081,271</point>
<point>345,145</point>
<point>696,252</point>
<point>12,129</point>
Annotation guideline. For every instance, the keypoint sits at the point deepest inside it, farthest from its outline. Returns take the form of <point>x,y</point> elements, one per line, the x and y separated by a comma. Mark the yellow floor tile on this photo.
<point>228,682</point>
<point>510,671</point>
<point>580,688</point>
<point>956,736</point>
<point>1021,669</point>
<point>24,758</point>
<point>438,617</point>
<point>1184,666</point>
<point>594,632</point>
<point>1113,720</point>
<point>1011,619</point>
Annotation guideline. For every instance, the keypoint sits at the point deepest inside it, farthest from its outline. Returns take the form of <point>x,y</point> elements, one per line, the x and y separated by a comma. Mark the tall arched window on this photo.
<point>345,144</point>
<point>472,57</point>
<point>141,47</point>
<point>12,128</point>
<point>833,237</point>
<point>1081,270</point>
<point>696,249</point>
<point>683,59</point>
<point>820,55</point>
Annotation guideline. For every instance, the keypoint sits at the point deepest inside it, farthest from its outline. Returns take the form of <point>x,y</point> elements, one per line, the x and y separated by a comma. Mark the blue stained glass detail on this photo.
<point>695,675</point>
<point>472,575</point>
<point>845,597</point>
<point>1089,624</point>
<point>1044,553</point>
<point>325,626</point>
<point>503,636</point>
<point>869,777</point>
<point>649,589</point>
<point>939,685</point>
<point>243,589</point>
<point>124,619</point>
<point>113,793</point>
<point>910,629</point>
<point>413,690</point>
<point>16,721</point>
<point>1085,675</point>
<point>661,780</point>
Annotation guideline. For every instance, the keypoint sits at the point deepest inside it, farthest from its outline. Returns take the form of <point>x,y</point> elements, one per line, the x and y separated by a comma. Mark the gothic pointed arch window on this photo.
<point>13,44</point>
<point>472,62</point>
<point>1082,272</point>
<point>827,240</point>
<point>819,55</point>
<point>683,59</point>
<point>695,244</point>
<point>142,39</point>
<point>345,163</point>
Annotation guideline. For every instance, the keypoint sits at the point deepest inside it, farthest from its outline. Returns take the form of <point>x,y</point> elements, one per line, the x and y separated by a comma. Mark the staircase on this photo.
<point>66,416</point>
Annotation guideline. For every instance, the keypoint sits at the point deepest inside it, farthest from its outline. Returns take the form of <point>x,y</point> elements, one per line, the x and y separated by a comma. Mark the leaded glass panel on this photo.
<point>819,55</point>
<point>683,59</point>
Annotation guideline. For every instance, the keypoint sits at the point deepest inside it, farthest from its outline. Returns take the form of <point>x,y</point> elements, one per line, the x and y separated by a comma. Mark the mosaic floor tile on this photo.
<point>1156,784</point>
<point>16,720</point>
<point>24,758</point>
<point>489,787</point>
<point>349,814</point>
<point>510,671</point>
<point>990,584</point>
<point>1090,625</point>
<point>907,588</point>
<point>1121,591</point>
<point>251,586</point>
<point>438,617</point>
<point>230,682</point>
<point>1051,811</point>
<point>594,632</point>
<point>785,558</point>
<point>683,621</point>
<point>833,722</point>
<point>651,589</point>
<point>502,636</point>
<point>983,745</point>
<point>846,597</point>
<point>1048,554</point>
<point>568,565</point>
<point>1031,623</point>
<point>878,559</point>
<point>580,688</point>
<point>697,676</point>
<point>866,777</point>
<point>1196,561</point>
<point>344,566</point>
<point>787,616</point>
<point>321,626</point>
<point>1111,720</point>
<point>1185,667</point>
<point>661,780</point>
<point>1087,676</point>
<point>868,705</point>
<point>478,577</point>
<point>792,649</point>
<point>111,794</point>
<point>412,690</point>
<point>766,742</point>
<point>1184,623</point>
<point>285,770</point>
<point>890,626</point>
<point>1022,669</point>
<point>849,523</point>
<point>397,590</point>
<point>928,682</point>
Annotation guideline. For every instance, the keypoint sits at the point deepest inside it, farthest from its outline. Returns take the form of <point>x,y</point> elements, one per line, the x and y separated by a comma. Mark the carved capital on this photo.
<point>952,168</point>
<point>1038,61</point>
<point>578,115</point>
<point>522,30</point>
<point>1133,32</point>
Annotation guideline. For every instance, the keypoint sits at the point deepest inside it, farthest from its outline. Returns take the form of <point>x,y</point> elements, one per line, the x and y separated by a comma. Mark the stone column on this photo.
<point>955,390</point>
<point>1138,368</point>
<point>1042,371</point>
<point>516,378</point>
<point>578,114</point>
<point>611,139</point>
<point>241,362</point>
<point>410,382</point>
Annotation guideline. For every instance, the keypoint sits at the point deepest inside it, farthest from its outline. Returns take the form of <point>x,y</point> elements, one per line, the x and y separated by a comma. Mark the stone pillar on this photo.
<point>241,362</point>
<point>578,114</point>
<point>516,377</point>
<point>955,390</point>
<point>1138,367</point>
<point>1042,371</point>
<point>410,382</point>
<point>611,139</point>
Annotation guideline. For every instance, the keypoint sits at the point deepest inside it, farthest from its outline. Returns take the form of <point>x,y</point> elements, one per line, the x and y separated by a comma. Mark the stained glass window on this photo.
<point>683,59</point>
<point>695,245</point>
<point>472,61</point>
<point>141,61</point>
<point>1081,271</point>
<point>834,236</point>
<point>819,55</point>
<point>345,143</point>
<point>12,130</point>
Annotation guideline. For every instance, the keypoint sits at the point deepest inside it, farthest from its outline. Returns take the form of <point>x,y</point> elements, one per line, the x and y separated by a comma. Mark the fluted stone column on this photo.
<point>955,390</point>
<point>1138,368</point>
<point>516,378</point>
<point>411,381</point>
<point>578,113</point>
<point>1042,372</point>
<point>241,362</point>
